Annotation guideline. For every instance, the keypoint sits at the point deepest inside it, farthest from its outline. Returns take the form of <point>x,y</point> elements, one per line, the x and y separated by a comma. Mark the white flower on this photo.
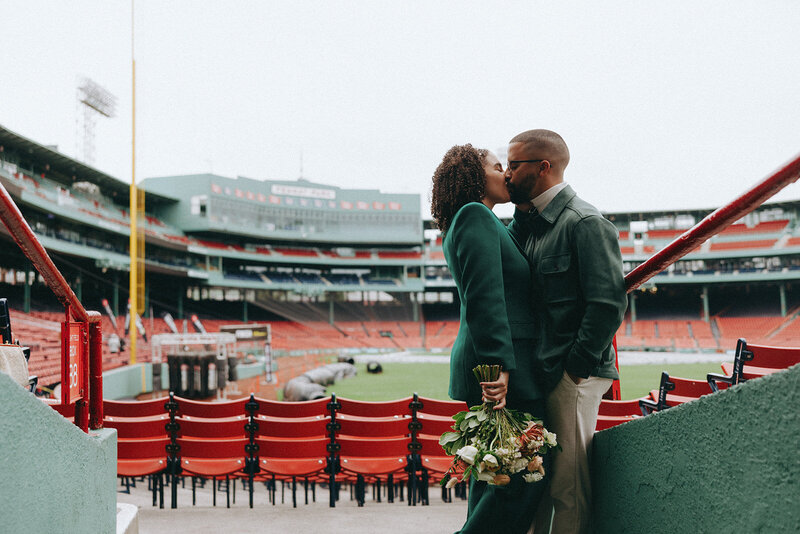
<point>467,454</point>
<point>452,482</point>
<point>532,477</point>
<point>486,476</point>
<point>550,438</point>
<point>489,463</point>
<point>519,464</point>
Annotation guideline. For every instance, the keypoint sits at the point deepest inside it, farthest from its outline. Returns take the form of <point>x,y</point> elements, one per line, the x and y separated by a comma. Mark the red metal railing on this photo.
<point>89,408</point>
<point>713,224</point>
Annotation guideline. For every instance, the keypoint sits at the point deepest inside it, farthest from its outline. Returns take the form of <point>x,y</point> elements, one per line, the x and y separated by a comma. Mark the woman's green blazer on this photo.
<point>496,319</point>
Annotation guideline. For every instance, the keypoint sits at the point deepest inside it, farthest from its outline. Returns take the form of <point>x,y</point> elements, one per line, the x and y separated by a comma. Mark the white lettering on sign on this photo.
<point>297,191</point>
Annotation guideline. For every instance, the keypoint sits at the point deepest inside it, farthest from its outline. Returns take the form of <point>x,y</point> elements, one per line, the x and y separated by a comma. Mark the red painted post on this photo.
<point>95,374</point>
<point>713,224</point>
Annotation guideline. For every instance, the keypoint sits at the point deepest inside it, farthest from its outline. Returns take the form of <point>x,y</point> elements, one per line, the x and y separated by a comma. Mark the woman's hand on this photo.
<point>496,391</point>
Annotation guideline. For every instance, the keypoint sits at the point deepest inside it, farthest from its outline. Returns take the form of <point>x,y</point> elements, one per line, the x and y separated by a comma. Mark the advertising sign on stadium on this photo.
<point>362,205</point>
<point>394,205</point>
<point>308,192</point>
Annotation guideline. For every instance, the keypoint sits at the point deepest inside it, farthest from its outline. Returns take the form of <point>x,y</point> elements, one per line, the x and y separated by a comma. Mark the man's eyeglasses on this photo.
<point>512,165</point>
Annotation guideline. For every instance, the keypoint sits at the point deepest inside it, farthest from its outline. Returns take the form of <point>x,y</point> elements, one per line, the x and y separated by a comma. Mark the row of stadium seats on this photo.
<point>330,440</point>
<point>673,334</point>
<point>750,361</point>
<point>277,277</point>
<point>334,440</point>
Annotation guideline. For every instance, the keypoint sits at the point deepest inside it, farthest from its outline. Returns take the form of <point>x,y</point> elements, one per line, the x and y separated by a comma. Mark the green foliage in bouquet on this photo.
<point>494,444</point>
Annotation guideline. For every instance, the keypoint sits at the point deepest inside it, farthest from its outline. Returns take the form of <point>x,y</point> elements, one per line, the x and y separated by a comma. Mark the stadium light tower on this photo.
<point>93,101</point>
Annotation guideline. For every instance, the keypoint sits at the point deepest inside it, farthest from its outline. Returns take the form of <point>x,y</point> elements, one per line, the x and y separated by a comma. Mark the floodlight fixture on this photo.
<point>94,96</point>
<point>93,101</point>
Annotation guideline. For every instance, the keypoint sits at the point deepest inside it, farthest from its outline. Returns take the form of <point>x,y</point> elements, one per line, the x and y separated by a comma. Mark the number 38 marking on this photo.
<point>73,375</point>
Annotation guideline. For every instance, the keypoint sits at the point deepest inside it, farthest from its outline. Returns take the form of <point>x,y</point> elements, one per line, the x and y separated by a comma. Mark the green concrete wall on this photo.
<point>129,381</point>
<point>728,462</point>
<point>53,477</point>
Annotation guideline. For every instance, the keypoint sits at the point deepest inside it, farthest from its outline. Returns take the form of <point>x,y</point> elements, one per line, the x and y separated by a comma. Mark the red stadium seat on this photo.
<point>753,361</point>
<point>312,408</point>
<point>374,409</point>
<point>673,391</point>
<point>212,458</point>
<point>446,408</point>
<point>282,458</point>
<point>135,408</point>
<point>211,409</point>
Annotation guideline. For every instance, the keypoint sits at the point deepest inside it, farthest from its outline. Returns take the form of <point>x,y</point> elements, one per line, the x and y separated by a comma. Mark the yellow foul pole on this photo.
<point>133,285</point>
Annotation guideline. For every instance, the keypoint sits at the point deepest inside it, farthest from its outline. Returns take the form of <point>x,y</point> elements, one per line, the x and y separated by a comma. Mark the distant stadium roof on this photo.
<point>68,167</point>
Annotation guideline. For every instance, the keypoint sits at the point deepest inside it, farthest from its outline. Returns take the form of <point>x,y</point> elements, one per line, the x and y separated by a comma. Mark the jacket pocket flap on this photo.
<point>555,264</point>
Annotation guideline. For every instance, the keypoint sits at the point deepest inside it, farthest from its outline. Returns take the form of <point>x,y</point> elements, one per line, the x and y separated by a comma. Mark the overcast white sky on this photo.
<point>663,104</point>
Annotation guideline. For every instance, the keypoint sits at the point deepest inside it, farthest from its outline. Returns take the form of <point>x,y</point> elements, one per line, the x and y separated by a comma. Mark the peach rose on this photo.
<point>535,464</point>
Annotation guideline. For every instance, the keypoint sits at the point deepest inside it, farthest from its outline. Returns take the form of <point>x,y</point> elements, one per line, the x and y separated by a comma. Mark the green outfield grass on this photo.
<point>400,380</point>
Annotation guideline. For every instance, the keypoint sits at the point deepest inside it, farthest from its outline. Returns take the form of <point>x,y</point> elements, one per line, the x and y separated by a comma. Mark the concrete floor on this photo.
<point>346,517</point>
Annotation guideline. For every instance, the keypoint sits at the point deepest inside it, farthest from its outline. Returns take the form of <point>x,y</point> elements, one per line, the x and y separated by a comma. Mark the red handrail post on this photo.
<point>95,373</point>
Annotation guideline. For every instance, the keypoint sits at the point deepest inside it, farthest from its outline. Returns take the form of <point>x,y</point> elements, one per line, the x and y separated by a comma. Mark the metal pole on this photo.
<point>133,280</point>
<point>713,224</point>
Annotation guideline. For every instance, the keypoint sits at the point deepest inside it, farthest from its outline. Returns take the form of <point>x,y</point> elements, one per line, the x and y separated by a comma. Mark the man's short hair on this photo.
<point>545,140</point>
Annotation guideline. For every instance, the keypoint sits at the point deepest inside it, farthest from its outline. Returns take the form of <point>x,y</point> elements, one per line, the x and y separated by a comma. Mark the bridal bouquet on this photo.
<point>492,445</point>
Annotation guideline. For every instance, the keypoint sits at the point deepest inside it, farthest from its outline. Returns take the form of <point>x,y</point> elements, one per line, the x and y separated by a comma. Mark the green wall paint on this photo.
<point>54,477</point>
<point>128,381</point>
<point>727,462</point>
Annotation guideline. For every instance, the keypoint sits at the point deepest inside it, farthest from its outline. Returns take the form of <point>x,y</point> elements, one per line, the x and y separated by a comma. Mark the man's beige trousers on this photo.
<point>572,415</point>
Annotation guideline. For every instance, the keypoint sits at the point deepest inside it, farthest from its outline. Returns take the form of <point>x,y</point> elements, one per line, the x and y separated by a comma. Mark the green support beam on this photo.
<point>115,295</point>
<point>181,291</point>
<point>782,289</point>
<point>29,278</point>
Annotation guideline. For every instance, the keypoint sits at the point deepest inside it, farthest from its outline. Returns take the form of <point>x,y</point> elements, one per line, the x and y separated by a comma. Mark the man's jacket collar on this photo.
<point>557,205</point>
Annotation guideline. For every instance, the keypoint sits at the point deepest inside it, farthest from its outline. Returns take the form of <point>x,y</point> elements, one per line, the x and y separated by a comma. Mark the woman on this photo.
<point>497,324</point>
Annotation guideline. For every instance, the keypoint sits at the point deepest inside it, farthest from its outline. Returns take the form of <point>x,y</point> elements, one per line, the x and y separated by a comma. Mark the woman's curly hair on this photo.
<point>458,180</point>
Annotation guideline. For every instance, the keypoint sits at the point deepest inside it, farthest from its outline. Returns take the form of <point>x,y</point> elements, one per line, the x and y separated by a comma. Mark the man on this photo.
<point>579,294</point>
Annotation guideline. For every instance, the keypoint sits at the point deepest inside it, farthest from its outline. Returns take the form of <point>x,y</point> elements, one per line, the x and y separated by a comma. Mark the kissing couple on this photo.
<point>543,297</point>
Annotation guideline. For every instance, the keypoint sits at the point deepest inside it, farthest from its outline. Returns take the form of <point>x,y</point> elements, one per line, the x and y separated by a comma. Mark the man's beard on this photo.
<point>517,196</point>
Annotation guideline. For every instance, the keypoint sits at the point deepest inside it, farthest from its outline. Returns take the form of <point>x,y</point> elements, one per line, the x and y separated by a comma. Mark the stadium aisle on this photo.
<point>347,517</point>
